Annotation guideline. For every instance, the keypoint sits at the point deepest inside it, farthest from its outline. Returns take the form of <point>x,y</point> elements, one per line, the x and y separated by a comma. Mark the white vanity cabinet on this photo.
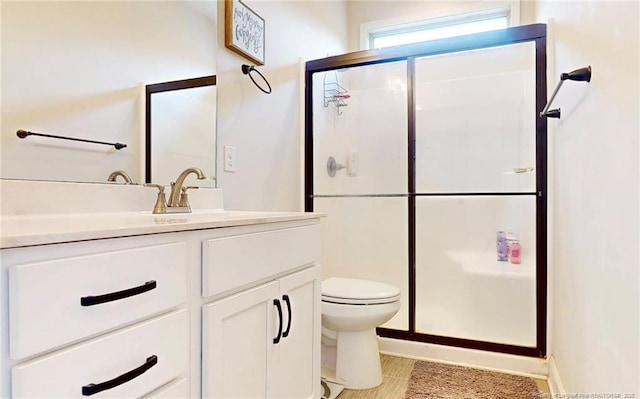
<point>263,342</point>
<point>184,313</point>
<point>105,318</point>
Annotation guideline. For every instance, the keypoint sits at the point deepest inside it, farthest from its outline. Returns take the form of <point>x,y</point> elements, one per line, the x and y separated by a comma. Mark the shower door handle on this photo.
<point>523,169</point>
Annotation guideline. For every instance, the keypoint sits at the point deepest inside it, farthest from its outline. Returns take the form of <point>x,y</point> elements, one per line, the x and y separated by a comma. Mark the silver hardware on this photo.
<point>125,176</point>
<point>176,187</point>
<point>333,166</point>
<point>523,169</point>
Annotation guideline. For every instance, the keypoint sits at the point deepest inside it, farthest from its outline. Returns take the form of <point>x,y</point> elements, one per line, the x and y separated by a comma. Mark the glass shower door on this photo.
<point>475,176</point>
<point>360,127</point>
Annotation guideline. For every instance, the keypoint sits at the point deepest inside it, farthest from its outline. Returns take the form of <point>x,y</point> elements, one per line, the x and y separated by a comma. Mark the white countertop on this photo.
<point>44,212</point>
<point>28,230</point>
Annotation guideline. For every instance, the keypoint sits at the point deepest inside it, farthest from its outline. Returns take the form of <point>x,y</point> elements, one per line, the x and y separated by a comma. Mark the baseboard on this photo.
<point>512,364</point>
<point>555,382</point>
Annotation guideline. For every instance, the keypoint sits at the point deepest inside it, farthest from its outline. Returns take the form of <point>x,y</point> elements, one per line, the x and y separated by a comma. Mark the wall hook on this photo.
<point>247,69</point>
<point>579,75</point>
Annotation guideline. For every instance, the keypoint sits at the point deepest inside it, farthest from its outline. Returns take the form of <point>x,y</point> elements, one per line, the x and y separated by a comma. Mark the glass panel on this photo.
<point>366,238</point>
<point>475,121</point>
<point>463,291</point>
<point>360,119</point>
<point>439,32</point>
<point>184,134</point>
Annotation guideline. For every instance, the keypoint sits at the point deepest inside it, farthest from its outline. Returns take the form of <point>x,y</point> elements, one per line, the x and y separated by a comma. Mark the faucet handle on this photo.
<point>158,186</point>
<point>161,201</point>
<point>184,200</point>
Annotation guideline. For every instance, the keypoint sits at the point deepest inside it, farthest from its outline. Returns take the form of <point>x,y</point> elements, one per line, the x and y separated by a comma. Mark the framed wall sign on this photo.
<point>244,31</point>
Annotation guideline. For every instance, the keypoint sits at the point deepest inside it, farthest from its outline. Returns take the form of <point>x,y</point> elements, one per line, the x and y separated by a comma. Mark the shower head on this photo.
<point>580,75</point>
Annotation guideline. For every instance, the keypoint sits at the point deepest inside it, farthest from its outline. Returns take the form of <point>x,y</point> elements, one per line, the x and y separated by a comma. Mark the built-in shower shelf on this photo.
<point>485,263</point>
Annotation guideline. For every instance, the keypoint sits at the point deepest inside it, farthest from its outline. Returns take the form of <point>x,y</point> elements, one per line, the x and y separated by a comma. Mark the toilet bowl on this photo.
<point>351,311</point>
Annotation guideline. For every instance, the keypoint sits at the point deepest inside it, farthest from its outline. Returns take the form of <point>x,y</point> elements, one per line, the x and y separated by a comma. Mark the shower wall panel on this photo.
<point>365,234</point>
<point>366,238</point>
<point>370,135</point>
<point>462,290</point>
<point>475,121</point>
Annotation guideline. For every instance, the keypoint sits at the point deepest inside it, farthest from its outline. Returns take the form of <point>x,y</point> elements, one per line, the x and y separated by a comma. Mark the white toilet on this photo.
<point>351,311</point>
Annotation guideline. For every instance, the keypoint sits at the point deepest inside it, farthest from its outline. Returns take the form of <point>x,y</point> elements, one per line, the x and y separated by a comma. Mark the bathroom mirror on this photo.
<point>181,130</point>
<point>80,69</point>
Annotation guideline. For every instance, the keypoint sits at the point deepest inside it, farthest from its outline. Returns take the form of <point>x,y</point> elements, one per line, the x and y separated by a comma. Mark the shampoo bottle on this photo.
<point>516,253</point>
<point>511,238</point>
<point>501,246</point>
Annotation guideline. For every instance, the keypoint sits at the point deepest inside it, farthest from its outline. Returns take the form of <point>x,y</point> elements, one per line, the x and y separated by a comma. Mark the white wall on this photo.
<point>595,326</point>
<point>75,69</point>
<point>266,129</point>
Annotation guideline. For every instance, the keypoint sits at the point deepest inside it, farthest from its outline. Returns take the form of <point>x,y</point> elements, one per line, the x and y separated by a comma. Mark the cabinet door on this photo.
<point>299,349</point>
<point>237,344</point>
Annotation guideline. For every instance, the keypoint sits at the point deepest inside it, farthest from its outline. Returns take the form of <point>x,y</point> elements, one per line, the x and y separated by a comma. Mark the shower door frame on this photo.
<point>528,33</point>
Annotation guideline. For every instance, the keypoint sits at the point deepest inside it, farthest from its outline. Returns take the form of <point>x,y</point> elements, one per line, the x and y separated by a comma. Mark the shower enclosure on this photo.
<point>420,154</point>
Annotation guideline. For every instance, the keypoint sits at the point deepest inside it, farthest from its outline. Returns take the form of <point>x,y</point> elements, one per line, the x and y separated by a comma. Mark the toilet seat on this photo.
<point>351,291</point>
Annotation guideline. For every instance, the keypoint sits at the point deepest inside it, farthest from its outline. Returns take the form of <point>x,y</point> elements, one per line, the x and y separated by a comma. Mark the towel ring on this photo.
<point>246,69</point>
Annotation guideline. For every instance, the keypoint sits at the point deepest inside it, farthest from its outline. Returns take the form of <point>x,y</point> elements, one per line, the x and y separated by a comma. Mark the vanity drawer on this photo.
<point>158,348</point>
<point>173,390</point>
<point>232,262</point>
<point>51,303</point>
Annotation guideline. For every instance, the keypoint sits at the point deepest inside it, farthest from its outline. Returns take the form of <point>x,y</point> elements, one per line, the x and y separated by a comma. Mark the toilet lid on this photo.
<point>356,291</point>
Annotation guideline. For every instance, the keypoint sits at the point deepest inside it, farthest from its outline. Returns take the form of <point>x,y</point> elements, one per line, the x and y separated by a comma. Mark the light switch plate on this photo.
<point>229,158</point>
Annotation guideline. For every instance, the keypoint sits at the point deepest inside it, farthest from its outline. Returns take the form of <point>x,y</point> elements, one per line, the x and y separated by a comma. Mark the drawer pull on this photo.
<point>286,300</point>
<point>279,307</point>
<point>114,296</point>
<point>93,389</point>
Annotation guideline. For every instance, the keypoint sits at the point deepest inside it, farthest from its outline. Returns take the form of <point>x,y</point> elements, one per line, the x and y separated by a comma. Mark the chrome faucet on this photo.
<point>125,176</point>
<point>176,187</point>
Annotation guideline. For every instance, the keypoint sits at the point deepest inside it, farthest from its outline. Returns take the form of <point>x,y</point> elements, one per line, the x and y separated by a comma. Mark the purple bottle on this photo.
<point>501,245</point>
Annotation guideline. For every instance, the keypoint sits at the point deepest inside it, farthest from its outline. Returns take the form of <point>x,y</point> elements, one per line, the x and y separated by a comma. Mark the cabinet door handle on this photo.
<point>276,302</point>
<point>92,389</point>
<point>114,296</point>
<point>285,298</point>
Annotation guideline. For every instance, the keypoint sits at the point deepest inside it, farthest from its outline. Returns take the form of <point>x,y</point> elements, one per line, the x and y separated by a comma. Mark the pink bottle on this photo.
<point>516,253</point>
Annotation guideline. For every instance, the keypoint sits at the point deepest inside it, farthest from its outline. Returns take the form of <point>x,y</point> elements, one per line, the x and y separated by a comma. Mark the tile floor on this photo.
<point>396,372</point>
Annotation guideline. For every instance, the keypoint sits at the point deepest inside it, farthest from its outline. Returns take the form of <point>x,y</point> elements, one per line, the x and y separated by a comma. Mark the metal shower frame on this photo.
<point>527,33</point>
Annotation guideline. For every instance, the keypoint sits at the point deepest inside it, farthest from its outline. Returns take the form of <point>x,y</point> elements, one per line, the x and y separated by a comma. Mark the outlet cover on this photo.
<point>229,158</point>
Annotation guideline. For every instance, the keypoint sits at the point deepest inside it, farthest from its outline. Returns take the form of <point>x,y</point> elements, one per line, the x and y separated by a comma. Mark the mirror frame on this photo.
<point>203,81</point>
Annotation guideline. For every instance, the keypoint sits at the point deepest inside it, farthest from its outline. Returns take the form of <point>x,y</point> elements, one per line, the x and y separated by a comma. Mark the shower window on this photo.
<point>419,157</point>
<point>464,19</point>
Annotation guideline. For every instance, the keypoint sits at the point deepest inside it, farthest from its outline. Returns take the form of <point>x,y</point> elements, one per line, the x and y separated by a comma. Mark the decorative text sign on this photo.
<point>244,31</point>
